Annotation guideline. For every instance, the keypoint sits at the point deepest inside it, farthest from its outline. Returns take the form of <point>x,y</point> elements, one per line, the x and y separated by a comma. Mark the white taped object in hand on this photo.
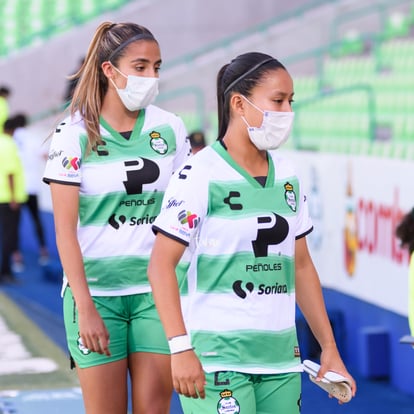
<point>334,384</point>
<point>407,339</point>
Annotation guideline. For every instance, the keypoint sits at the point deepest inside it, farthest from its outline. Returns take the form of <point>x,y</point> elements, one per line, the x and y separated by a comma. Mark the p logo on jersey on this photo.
<point>272,229</point>
<point>138,172</point>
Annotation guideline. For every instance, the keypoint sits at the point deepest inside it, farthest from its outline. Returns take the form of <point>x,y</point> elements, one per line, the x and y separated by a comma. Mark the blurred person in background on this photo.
<point>31,155</point>
<point>239,208</point>
<point>197,141</point>
<point>108,166</point>
<point>405,233</point>
<point>4,105</point>
<point>12,195</point>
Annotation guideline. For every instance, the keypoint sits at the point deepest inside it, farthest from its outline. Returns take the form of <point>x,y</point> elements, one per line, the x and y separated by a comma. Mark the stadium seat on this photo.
<point>351,44</point>
<point>23,22</point>
<point>397,25</point>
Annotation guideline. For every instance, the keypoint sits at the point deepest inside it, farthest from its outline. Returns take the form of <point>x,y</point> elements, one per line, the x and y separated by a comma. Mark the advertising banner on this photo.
<point>356,203</point>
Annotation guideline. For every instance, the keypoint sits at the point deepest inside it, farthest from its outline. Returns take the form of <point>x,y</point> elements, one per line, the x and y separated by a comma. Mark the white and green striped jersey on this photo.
<point>121,186</point>
<point>240,298</point>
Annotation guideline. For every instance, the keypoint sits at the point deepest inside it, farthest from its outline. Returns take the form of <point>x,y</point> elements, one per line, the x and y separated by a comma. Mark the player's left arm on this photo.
<point>310,301</point>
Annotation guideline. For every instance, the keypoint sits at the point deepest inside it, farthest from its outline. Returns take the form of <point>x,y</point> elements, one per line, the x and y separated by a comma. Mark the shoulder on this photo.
<point>70,125</point>
<point>68,137</point>
<point>157,111</point>
<point>203,164</point>
<point>284,166</point>
<point>161,116</point>
<point>193,178</point>
<point>206,156</point>
<point>74,121</point>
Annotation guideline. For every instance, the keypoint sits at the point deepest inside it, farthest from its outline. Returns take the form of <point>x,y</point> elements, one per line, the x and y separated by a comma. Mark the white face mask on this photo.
<point>139,92</point>
<point>273,132</point>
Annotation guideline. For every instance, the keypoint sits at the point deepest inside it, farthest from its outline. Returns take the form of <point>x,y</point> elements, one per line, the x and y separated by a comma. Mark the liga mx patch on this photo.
<point>71,163</point>
<point>227,403</point>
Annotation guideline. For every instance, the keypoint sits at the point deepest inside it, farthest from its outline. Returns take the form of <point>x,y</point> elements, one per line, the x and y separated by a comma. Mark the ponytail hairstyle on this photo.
<point>108,44</point>
<point>241,75</point>
<point>405,231</point>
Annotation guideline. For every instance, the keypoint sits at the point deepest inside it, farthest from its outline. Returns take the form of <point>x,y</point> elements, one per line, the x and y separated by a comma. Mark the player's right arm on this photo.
<point>187,373</point>
<point>65,199</point>
<point>63,173</point>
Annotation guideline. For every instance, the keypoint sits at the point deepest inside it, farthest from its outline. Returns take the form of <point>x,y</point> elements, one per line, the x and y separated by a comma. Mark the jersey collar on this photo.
<point>218,147</point>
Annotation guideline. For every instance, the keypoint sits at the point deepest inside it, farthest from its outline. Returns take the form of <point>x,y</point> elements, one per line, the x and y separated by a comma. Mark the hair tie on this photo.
<point>141,36</point>
<point>244,75</point>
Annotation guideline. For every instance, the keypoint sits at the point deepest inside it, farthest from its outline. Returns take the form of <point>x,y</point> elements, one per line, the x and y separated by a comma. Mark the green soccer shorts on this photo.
<point>132,322</point>
<point>234,392</point>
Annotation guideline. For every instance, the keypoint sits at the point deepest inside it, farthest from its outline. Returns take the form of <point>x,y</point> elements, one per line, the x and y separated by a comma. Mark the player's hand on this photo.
<point>93,332</point>
<point>188,375</point>
<point>331,361</point>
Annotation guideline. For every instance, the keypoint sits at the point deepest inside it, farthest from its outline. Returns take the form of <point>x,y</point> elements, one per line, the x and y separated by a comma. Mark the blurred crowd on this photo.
<point>20,155</point>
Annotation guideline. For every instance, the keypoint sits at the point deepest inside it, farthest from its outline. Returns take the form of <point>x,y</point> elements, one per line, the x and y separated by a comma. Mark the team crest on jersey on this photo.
<point>158,143</point>
<point>290,196</point>
<point>82,347</point>
<point>227,403</point>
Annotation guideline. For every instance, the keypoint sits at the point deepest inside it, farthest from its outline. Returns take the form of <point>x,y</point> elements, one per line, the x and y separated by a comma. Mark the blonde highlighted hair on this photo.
<point>108,44</point>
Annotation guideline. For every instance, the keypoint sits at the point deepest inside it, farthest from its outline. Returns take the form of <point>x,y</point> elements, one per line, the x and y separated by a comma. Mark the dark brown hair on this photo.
<point>405,231</point>
<point>241,75</point>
